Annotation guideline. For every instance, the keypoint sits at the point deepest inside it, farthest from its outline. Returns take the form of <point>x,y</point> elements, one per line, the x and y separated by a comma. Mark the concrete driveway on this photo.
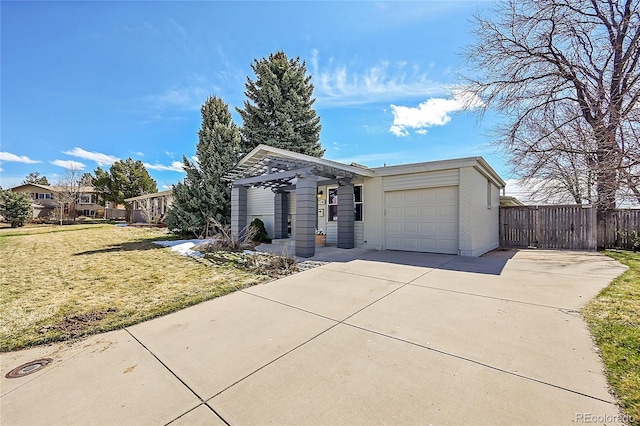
<point>390,338</point>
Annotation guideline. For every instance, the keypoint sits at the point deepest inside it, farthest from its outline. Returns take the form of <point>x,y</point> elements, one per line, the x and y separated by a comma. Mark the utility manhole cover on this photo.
<point>28,368</point>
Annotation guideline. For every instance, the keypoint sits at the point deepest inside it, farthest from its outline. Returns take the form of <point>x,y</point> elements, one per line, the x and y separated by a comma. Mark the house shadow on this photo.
<point>491,263</point>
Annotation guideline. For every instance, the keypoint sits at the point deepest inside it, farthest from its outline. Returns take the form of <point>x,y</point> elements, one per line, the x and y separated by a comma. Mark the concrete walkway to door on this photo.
<point>389,338</point>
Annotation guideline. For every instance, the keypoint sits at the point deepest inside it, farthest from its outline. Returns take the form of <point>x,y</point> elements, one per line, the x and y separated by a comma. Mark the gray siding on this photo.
<point>260,204</point>
<point>421,180</point>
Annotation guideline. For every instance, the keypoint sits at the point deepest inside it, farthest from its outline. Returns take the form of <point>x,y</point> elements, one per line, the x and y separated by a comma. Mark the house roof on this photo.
<point>147,196</point>
<point>270,167</point>
<point>509,201</point>
<point>267,166</point>
<point>479,163</point>
<point>52,188</point>
<point>45,187</point>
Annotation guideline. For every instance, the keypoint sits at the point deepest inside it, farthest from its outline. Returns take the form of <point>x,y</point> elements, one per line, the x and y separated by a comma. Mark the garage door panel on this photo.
<point>428,228</point>
<point>448,228</point>
<point>410,228</point>
<point>431,211</point>
<point>395,228</point>
<point>448,245</point>
<point>428,244</point>
<point>423,220</point>
<point>394,212</point>
<point>427,197</point>
<point>445,195</point>
<point>448,212</point>
<point>394,198</point>
<point>410,212</point>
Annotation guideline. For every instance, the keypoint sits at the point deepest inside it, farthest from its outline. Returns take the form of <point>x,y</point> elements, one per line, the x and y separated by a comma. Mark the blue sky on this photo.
<point>93,82</point>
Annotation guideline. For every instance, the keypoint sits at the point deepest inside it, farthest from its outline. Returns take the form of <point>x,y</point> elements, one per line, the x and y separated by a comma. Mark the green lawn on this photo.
<point>614,320</point>
<point>63,282</point>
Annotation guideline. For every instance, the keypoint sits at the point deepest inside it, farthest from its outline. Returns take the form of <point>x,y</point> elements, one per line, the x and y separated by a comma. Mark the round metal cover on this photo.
<point>28,368</point>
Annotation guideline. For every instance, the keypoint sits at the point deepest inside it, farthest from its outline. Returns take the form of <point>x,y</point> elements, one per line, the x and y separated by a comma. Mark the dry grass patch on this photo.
<point>64,282</point>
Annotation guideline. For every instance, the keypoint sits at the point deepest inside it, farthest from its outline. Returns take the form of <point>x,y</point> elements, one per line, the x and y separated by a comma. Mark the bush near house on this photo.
<point>260,230</point>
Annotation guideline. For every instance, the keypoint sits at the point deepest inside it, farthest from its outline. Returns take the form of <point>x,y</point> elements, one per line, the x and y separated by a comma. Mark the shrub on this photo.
<point>15,208</point>
<point>630,239</point>
<point>261,231</point>
<point>226,241</point>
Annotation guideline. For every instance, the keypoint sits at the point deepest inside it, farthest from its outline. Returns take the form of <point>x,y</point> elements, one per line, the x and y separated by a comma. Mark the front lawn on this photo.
<point>62,282</point>
<point>614,320</point>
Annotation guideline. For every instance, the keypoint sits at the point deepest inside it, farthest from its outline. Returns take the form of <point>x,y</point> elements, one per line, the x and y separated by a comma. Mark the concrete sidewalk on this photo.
<point>391,337</point>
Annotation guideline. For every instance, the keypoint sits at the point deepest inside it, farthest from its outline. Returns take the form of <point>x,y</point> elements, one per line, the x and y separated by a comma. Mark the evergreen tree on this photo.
<point>203,194</point>
<point>125,179</point>
<point>14,208</point>
<point>279,110</point>
<point>35,177</point>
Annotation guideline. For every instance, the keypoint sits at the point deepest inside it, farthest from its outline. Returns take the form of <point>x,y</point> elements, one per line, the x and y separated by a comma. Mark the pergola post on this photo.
<point>346,216</point>
<point>238,210</point>
<point>306,220</point>
<point>281,215</point>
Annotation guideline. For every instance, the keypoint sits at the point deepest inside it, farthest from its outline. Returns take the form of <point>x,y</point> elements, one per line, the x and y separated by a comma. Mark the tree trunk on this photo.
<point>607,172</point>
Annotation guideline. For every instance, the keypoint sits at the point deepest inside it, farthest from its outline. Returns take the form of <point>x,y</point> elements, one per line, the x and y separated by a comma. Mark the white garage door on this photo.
<point>423,220</point>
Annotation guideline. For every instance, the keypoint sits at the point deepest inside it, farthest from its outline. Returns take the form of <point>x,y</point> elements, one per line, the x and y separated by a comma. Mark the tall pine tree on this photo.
<point>124,179</point>
<point>203,195</point>
<point>279,110</point>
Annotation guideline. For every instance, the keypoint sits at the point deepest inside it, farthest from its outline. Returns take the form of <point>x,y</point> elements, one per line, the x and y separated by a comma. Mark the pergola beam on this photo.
<point>281,176</point>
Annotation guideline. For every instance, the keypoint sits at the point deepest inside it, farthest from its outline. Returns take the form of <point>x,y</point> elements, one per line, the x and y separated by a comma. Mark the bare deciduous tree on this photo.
<point>565,66</point>
<point>147,209</point>
<point>67,192</point>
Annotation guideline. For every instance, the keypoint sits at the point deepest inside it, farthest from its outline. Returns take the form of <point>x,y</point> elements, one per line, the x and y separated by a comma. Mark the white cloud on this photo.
<point>138,153</point>
<point>432,112</point>
<point>175,166</point>
<point>7,156</point>
<point>191,96</point>
<point>335,84</point>
<point>68,164</point>
<point>98,157</point>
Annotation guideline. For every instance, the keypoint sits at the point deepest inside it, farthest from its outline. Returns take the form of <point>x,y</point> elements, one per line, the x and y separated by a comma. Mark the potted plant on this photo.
<point>321,238</point>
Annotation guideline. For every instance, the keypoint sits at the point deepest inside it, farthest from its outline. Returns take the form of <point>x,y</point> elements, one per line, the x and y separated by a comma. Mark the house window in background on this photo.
<point>357,198</point>
<point>333,204</point>
<point>357,203</point>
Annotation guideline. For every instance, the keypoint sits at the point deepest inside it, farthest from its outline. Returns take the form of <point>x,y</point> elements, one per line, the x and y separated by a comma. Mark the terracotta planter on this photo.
<point>321,240</point>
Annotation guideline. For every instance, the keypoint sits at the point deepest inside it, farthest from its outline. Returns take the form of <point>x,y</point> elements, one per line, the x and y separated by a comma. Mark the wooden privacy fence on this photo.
<point>620,229</point>
<point>550,227</point>
<point>572,227</point>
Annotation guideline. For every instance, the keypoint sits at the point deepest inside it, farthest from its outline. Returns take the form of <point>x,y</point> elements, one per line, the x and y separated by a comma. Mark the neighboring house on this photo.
<point>150,208</point>
<point>448,206</point>
<point>46,198</point>
<point>509,201</point>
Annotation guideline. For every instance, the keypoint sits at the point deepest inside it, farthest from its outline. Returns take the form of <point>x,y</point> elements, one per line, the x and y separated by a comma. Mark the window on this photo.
<point>85,199</point>
<point>357,198</point>
<point>47,196</point>
<point>41,196</point>
<point>357,201</point>
<point>333,204</point>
